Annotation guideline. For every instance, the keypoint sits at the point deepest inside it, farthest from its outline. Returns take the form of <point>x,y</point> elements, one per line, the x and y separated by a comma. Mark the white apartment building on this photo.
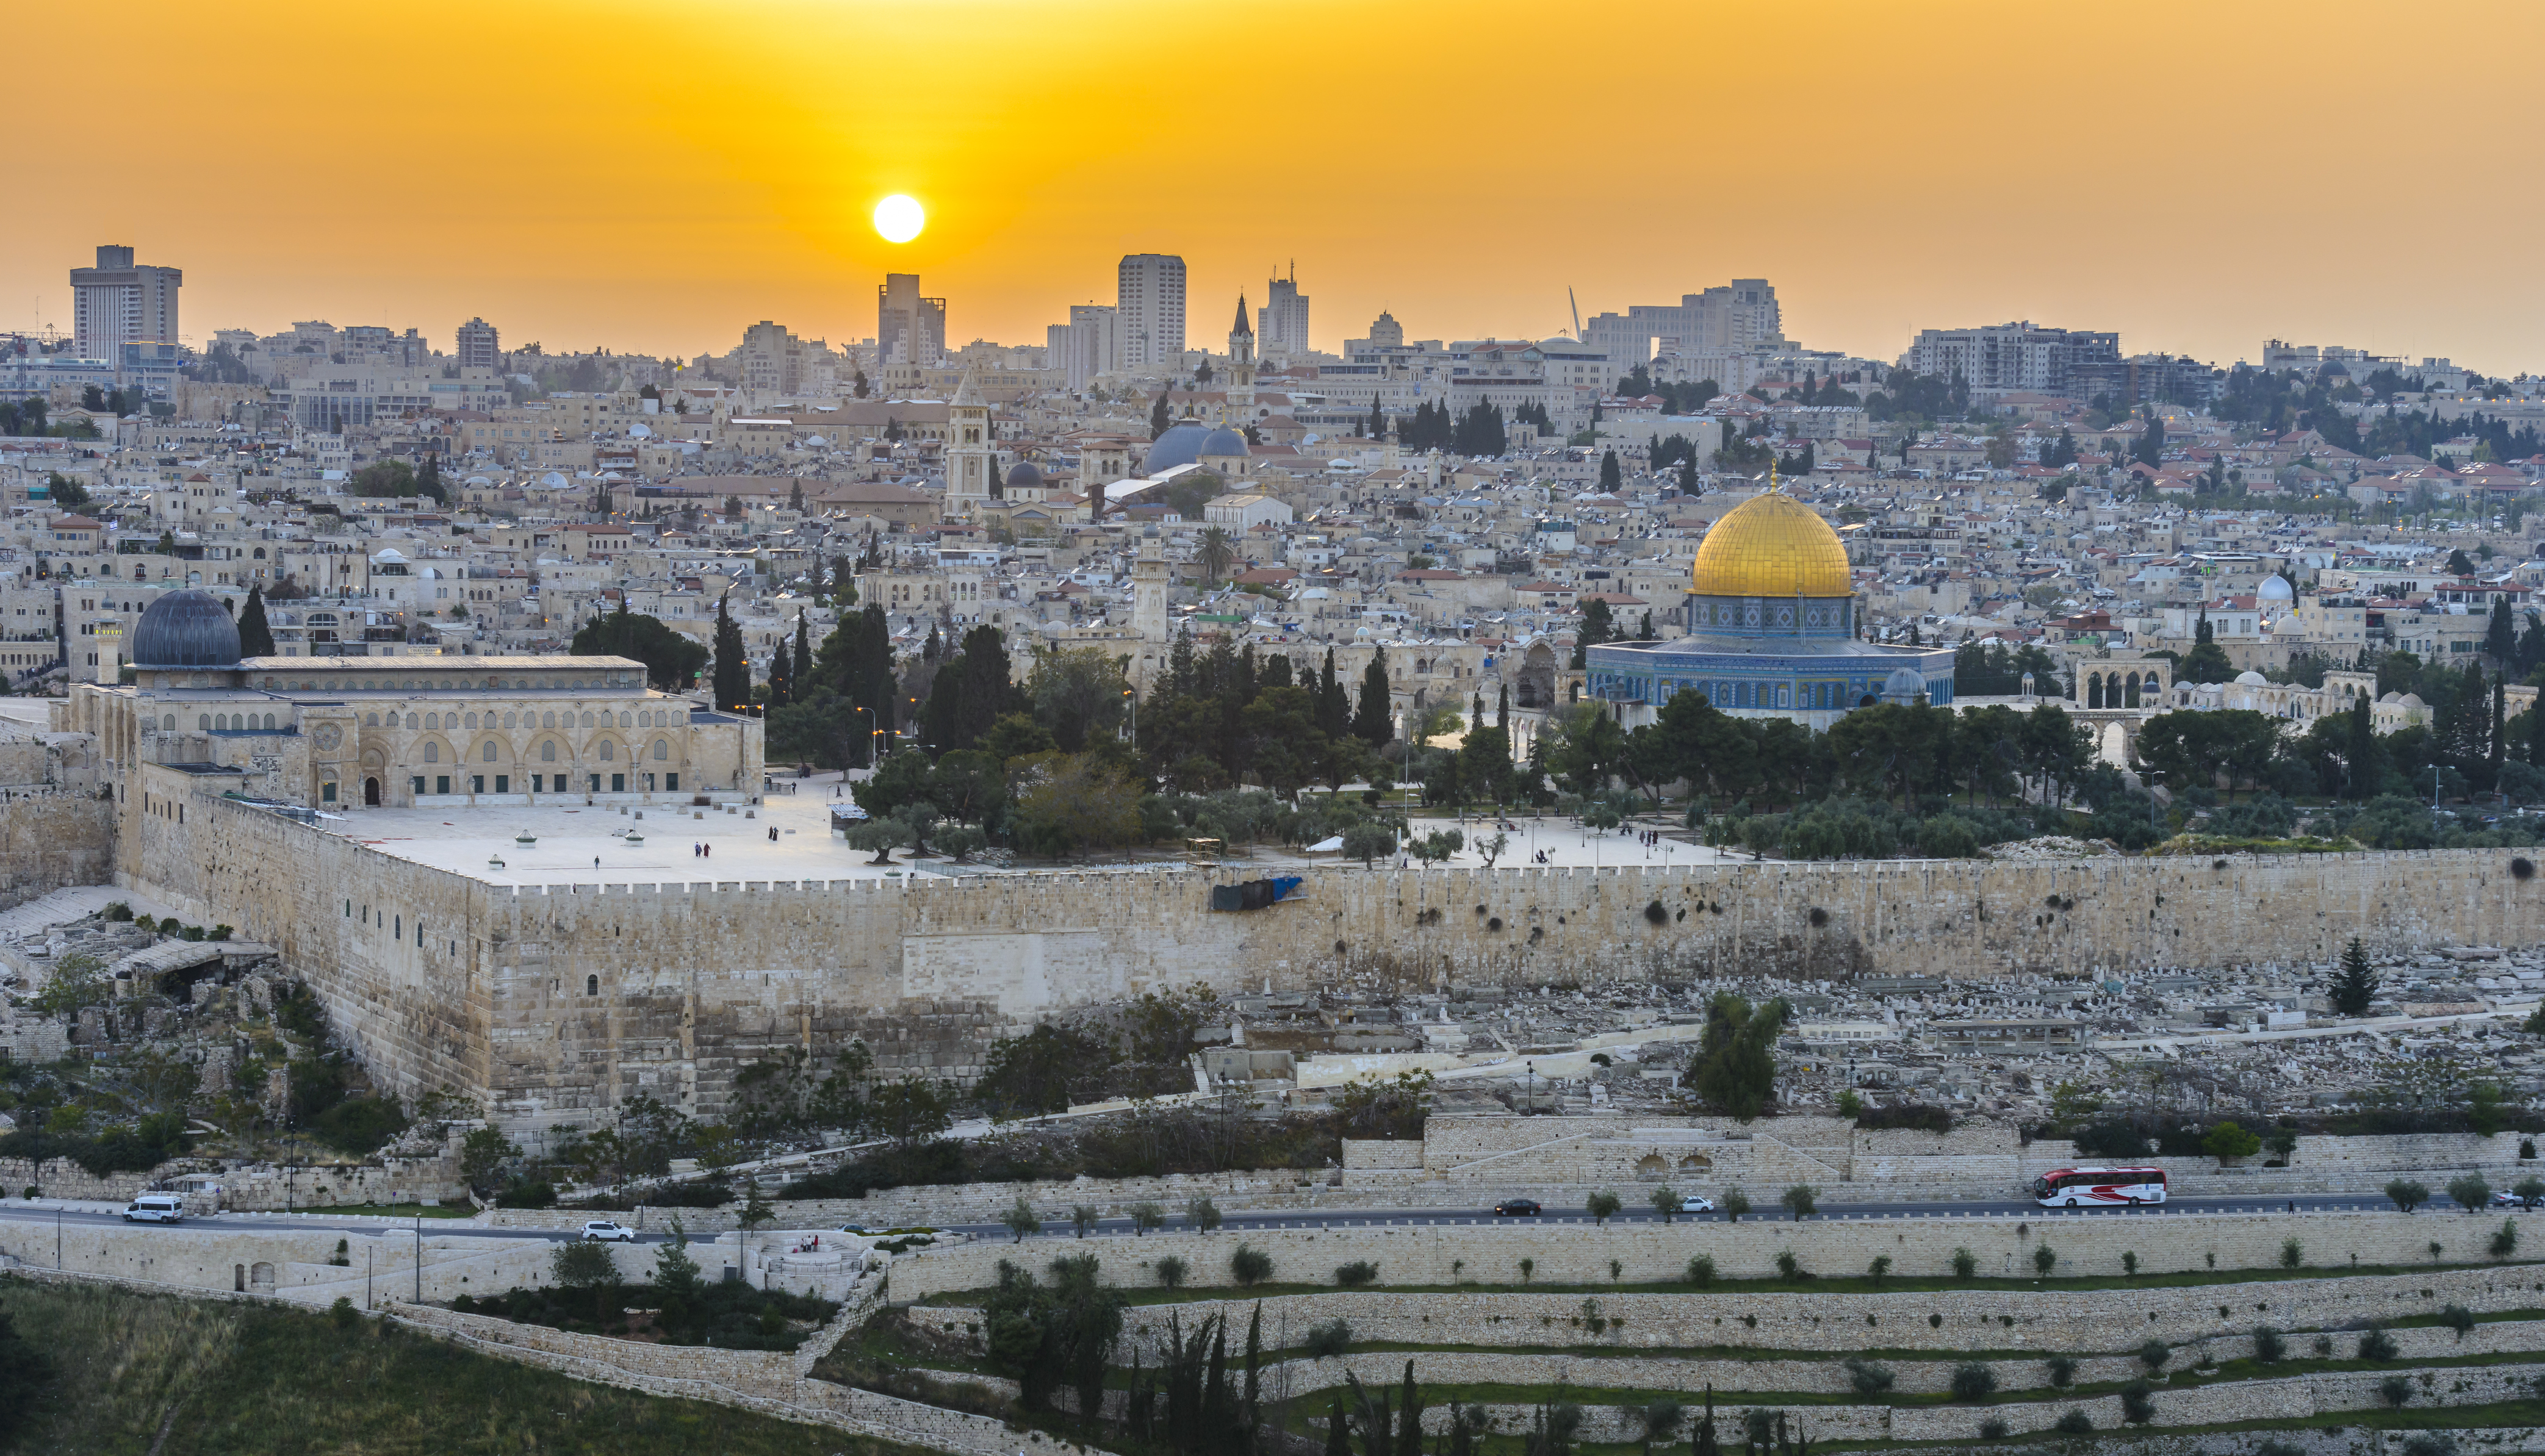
<point>1150,299</point>
<point>2010,358</point>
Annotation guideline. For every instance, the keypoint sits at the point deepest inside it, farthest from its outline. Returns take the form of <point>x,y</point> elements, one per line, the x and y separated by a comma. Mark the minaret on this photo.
<point>970,458</point>
<point>1240,411</point>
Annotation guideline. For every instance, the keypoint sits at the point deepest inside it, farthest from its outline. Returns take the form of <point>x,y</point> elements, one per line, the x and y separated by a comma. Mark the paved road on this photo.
<point>1242,1219</point>
<point>44,1217</point>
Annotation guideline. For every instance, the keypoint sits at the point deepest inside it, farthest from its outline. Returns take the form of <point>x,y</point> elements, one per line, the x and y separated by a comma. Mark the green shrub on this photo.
<point>1352,1275</point>
<point>2395,1390</point>
<point>2063,1370</point>
<point>2292,1253</point>
<point>2138,1408</point>
<point>2075,1423</point>
<point>2267,1347</point>
<point>1327,1340</point>
<point>341,1313</point>
<point>1966,1264</point>
<point>2458,1318</point>
<point>1700,1270</point>
<point>1171,1271</point>
<point>1250,1266</point>
<point>1993,1429</point>
<point>2044,1260</point>
<point>1868,1378</point>
<point>1973,1380</point>
<point>2376,1344</point>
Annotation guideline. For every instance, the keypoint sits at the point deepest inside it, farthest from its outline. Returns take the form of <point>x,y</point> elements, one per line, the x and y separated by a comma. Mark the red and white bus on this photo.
<point>2094,1187</point>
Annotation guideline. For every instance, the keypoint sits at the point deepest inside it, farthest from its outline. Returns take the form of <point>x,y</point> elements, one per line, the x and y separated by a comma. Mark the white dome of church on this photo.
<point>2276,587</point>
<point>2252,679</point>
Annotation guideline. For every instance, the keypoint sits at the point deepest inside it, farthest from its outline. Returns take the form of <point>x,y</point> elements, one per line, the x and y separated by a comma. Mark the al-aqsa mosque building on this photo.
<point>1772,615</point>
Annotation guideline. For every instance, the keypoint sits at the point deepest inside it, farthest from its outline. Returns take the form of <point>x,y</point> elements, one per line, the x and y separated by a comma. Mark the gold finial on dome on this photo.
<point>1771,546</point>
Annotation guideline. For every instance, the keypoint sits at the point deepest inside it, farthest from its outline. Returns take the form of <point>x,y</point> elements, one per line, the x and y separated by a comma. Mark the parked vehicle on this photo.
<point>1696,1203</point>
<point>1517,1208</point>
<point>155,1208</point>
<point>603,1231</point>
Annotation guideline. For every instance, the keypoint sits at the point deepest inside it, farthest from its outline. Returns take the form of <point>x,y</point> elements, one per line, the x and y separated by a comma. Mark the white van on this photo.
<point>156,1208</point>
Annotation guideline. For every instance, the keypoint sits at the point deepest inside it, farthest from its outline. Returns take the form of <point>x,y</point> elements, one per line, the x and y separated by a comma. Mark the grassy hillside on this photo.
<point>199,1377</point>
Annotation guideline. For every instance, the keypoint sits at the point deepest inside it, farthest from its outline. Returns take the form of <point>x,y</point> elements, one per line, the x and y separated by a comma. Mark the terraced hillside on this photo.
<point>1538,1341</point>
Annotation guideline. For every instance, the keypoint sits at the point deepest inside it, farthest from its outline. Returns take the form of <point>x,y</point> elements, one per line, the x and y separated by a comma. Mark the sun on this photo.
<point>899,217</point>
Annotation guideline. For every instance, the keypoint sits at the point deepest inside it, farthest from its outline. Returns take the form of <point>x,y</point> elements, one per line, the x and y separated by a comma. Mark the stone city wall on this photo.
<point>1414,1251</point>
<point>556,1004</point>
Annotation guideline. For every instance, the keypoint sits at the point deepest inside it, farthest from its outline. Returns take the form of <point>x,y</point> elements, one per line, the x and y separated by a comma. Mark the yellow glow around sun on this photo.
<point>899,217</point>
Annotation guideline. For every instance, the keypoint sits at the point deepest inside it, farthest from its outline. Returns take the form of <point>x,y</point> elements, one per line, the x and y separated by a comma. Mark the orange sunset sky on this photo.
<point>653,176</point>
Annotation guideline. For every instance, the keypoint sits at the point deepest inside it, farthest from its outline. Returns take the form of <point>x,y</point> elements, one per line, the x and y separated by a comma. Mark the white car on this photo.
<point>603,1231</point>
<point>1696,1203</point>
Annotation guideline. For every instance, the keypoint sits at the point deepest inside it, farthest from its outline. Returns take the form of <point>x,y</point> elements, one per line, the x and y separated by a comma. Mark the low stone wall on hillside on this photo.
<point>1415,1250</point>
<point>769,1382</point>
<point>2077,1322</point>
<point>2291,1398</point>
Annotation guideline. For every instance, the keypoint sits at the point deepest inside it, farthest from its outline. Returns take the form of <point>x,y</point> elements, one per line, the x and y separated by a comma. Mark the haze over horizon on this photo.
<point>643,178</point>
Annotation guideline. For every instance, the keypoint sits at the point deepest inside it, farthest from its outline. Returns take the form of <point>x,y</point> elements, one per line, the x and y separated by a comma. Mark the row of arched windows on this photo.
<point>606,750</point>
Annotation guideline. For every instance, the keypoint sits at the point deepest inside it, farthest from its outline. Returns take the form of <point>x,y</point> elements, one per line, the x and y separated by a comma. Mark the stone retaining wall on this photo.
<point>764,1381</point>
<point>2212,1405</point>
<point>1415,1250</point>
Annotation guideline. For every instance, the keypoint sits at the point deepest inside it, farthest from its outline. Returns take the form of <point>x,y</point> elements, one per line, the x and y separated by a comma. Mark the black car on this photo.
<point>1517,1208</point>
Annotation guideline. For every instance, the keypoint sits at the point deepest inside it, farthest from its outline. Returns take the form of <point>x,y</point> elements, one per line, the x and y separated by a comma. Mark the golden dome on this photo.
<point>1771,546</point>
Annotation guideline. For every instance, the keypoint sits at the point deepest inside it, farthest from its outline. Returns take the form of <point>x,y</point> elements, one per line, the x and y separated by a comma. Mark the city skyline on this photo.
<point>1917,187</point>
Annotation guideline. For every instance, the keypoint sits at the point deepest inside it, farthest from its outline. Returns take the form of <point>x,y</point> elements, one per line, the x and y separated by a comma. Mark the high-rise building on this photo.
<point>2014,358</point>
<point>479,345</point>
<point>1088,345</point>
<point>119,302</point>
<point>772,361</point>
<point>909,329</point>
<point>1151,301</point>
<point>1737,317</point>
<point>1281,324</point>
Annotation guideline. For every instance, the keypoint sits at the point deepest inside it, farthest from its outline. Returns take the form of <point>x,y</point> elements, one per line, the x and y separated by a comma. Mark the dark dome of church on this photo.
<point>1223,441</point>
<point>1179,445</point>
<point>185,629</point>
<point>1022,472</point>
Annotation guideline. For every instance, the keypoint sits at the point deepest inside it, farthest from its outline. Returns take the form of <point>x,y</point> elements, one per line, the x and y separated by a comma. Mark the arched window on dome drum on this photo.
<point>662,750</point>
<point>608,750</point>
<point>433,753</point>
<point>487,752</point>
<point>548,752</point>
<point>202,722</point>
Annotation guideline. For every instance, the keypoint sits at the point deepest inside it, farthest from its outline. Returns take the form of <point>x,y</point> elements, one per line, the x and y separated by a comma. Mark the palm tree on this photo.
<point>1216,554</point>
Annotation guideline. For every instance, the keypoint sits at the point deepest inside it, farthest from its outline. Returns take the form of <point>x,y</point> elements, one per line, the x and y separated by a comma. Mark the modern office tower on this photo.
<point>1737,317</point>
<point>478,346</point>
<point>1151,298</point>
<point>1281,324</point>
<point>909,329</point>
<point>121,302</point>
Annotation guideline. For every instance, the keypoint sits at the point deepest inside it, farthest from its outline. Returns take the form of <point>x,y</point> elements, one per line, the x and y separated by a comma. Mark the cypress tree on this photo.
<point>1159,420</point>
<point>1338,1441</point>
<point>1333,711</point>
<point>2354,986</point>
<point>256,638</point>
<point>2360,753</point>
<point>732,679</point>
<point>1501,707</point>
<point>803,668</point>
<point>1376,723</point>
<point>1409,1417</point>
<point>1611,477</point>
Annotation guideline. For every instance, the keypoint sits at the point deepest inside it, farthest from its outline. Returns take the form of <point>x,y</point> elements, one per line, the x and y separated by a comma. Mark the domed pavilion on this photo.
<point>1770,618</point>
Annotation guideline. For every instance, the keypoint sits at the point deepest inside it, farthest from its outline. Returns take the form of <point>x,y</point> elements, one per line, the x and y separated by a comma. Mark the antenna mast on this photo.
<point>1574,304</point>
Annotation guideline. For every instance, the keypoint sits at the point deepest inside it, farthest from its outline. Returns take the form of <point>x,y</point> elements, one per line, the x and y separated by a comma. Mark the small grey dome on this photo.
<point>1903,683</point>
<point>185,629</point>
<point>1223,443</point>
<point>1024,473</point>
<point>1179,445</point>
